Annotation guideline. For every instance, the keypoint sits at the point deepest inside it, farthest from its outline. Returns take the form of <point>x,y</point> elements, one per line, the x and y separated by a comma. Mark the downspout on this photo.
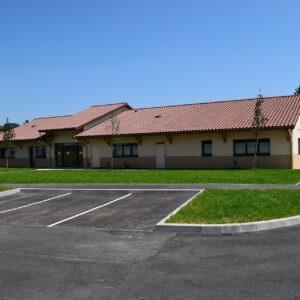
<point>292,148</point>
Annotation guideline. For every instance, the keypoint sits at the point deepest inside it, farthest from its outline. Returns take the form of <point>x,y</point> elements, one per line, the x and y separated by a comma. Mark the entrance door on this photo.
<point>68,155</point>
<point>32,157</point>
<point>160,156</point>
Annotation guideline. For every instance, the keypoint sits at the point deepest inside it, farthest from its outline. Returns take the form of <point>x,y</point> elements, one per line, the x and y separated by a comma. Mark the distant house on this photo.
<point>211,135</point>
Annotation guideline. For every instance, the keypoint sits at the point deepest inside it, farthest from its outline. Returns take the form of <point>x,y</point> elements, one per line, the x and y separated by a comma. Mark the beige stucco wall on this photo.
<point>186,151</point>
<point>22,155</point>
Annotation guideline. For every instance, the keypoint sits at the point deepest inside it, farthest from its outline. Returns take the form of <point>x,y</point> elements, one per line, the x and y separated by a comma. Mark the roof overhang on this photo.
<point>184,132</point>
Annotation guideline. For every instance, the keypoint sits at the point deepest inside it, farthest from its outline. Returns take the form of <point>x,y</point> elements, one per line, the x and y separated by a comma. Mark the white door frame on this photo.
<point>160,156</point>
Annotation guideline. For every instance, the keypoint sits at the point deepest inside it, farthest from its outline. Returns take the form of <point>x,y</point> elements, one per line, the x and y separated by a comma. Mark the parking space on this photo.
<point>140,211</point>
<point>104,210</point>
<point>20,199</point>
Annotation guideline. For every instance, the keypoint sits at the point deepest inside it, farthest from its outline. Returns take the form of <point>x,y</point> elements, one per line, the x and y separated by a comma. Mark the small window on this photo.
<point>41,152</point>
<point>240,148</point>
<point>118,150</point>
<point>298,146</point>
<point>247,147</point>
<point>206,148</point>
<point>125,150</point>
<point>38,151</point>
<point>264,147</point>
<point>2,153</point>
<point>11,153</point>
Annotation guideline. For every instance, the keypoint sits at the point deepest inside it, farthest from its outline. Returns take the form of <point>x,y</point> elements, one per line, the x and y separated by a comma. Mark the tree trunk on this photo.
<point>112,156</point>
<point>254,164</point>
<point>6,156</point>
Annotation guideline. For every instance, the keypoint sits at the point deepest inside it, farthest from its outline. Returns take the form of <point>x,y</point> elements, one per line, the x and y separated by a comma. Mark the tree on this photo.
<point>26,121</point>
<point>13,125</point>
<point>297,90</point>
<point>113,130</point>
<point>259,122</point>
<point>8,137</point>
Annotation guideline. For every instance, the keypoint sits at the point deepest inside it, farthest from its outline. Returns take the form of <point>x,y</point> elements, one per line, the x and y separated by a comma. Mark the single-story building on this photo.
<point>200,136</point>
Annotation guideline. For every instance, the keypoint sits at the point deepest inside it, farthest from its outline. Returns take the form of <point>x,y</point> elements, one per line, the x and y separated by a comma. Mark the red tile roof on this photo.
<point>84,117</point>
<point>282,112</point>
<point>30,131</point>
<point>37,128</point>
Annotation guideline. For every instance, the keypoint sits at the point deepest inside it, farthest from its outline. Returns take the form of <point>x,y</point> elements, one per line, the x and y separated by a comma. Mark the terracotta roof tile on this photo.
<point>37,128</point>
<point>84,117</point>
<point>30,131</point>
<point>282,111</point>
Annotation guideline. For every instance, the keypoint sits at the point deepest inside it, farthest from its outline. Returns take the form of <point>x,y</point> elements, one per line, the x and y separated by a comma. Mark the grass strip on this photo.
<point>218,206</point>
<point>4,189</point>
<point>260,176</point>
<point>15,169</point>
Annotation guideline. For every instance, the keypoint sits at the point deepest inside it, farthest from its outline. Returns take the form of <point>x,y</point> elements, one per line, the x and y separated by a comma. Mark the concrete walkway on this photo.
<point>157,186</point>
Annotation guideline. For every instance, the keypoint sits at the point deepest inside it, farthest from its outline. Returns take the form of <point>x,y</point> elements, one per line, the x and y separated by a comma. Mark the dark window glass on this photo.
<point>118,150</point>
<point>2,153</point>
<point>264,147</point>
<point>68,155</point>
<point>251,147</point>
<point>239,148</point>
<point>298,146</point>
<point>206,148</point>
<point>11,153</point>
<point>38,152</point>
<point>247,147</point>
<point>126,150</point>
<point>134,150</point>
<point>41,152</point>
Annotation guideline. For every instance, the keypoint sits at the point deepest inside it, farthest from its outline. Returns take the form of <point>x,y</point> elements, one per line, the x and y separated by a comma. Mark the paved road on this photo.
<point>114,254</point>
<point>157,186</point>
<point>75,263</point>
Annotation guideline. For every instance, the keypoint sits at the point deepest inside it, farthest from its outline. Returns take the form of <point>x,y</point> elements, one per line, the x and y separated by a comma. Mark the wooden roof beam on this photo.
<point>139,139</point>
<point>107,140</point>
<point>224,136</point>
<point>169,137</point>
<point>288,134</point>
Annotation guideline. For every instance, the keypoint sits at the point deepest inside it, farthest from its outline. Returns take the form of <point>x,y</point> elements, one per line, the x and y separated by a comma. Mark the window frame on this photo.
<point>11,152</point>
<point>39,154</point>
<point>246,141</point>
<point>131,145</point>
<point>43,153</point>
<point>207,142</point>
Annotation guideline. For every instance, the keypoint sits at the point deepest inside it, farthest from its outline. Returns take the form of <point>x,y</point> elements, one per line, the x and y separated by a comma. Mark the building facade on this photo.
<point>213,135</point>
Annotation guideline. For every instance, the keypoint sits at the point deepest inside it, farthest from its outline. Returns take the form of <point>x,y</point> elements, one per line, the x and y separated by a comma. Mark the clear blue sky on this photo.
<point>61,56</point>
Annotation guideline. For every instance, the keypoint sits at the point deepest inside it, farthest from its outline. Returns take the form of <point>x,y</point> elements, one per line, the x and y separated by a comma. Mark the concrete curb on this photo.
<point>219,229</point>
<point>9,192</point>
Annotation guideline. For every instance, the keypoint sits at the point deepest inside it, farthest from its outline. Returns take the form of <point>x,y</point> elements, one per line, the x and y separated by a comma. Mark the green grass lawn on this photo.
<point>15,169</point>
<point>154,176</point>
<point>239,206</point>
<point>4,189</point>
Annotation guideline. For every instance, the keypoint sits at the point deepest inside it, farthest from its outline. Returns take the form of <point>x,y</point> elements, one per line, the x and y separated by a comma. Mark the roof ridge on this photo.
<point>110,104</point>
<point>52,117</point>
<point>209,102</point>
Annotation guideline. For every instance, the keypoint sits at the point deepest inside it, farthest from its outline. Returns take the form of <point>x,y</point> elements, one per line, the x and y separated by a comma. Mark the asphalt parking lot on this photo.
<point>102,209</point>
<point>101,245</point>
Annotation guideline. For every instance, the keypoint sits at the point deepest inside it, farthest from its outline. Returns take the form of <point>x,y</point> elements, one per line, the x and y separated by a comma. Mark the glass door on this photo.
<point>69,155</point>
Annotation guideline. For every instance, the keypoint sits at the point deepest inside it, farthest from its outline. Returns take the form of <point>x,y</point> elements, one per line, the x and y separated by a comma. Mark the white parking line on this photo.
<point>116,189</point>
<point>87,211</point>
<point>34,203</point>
